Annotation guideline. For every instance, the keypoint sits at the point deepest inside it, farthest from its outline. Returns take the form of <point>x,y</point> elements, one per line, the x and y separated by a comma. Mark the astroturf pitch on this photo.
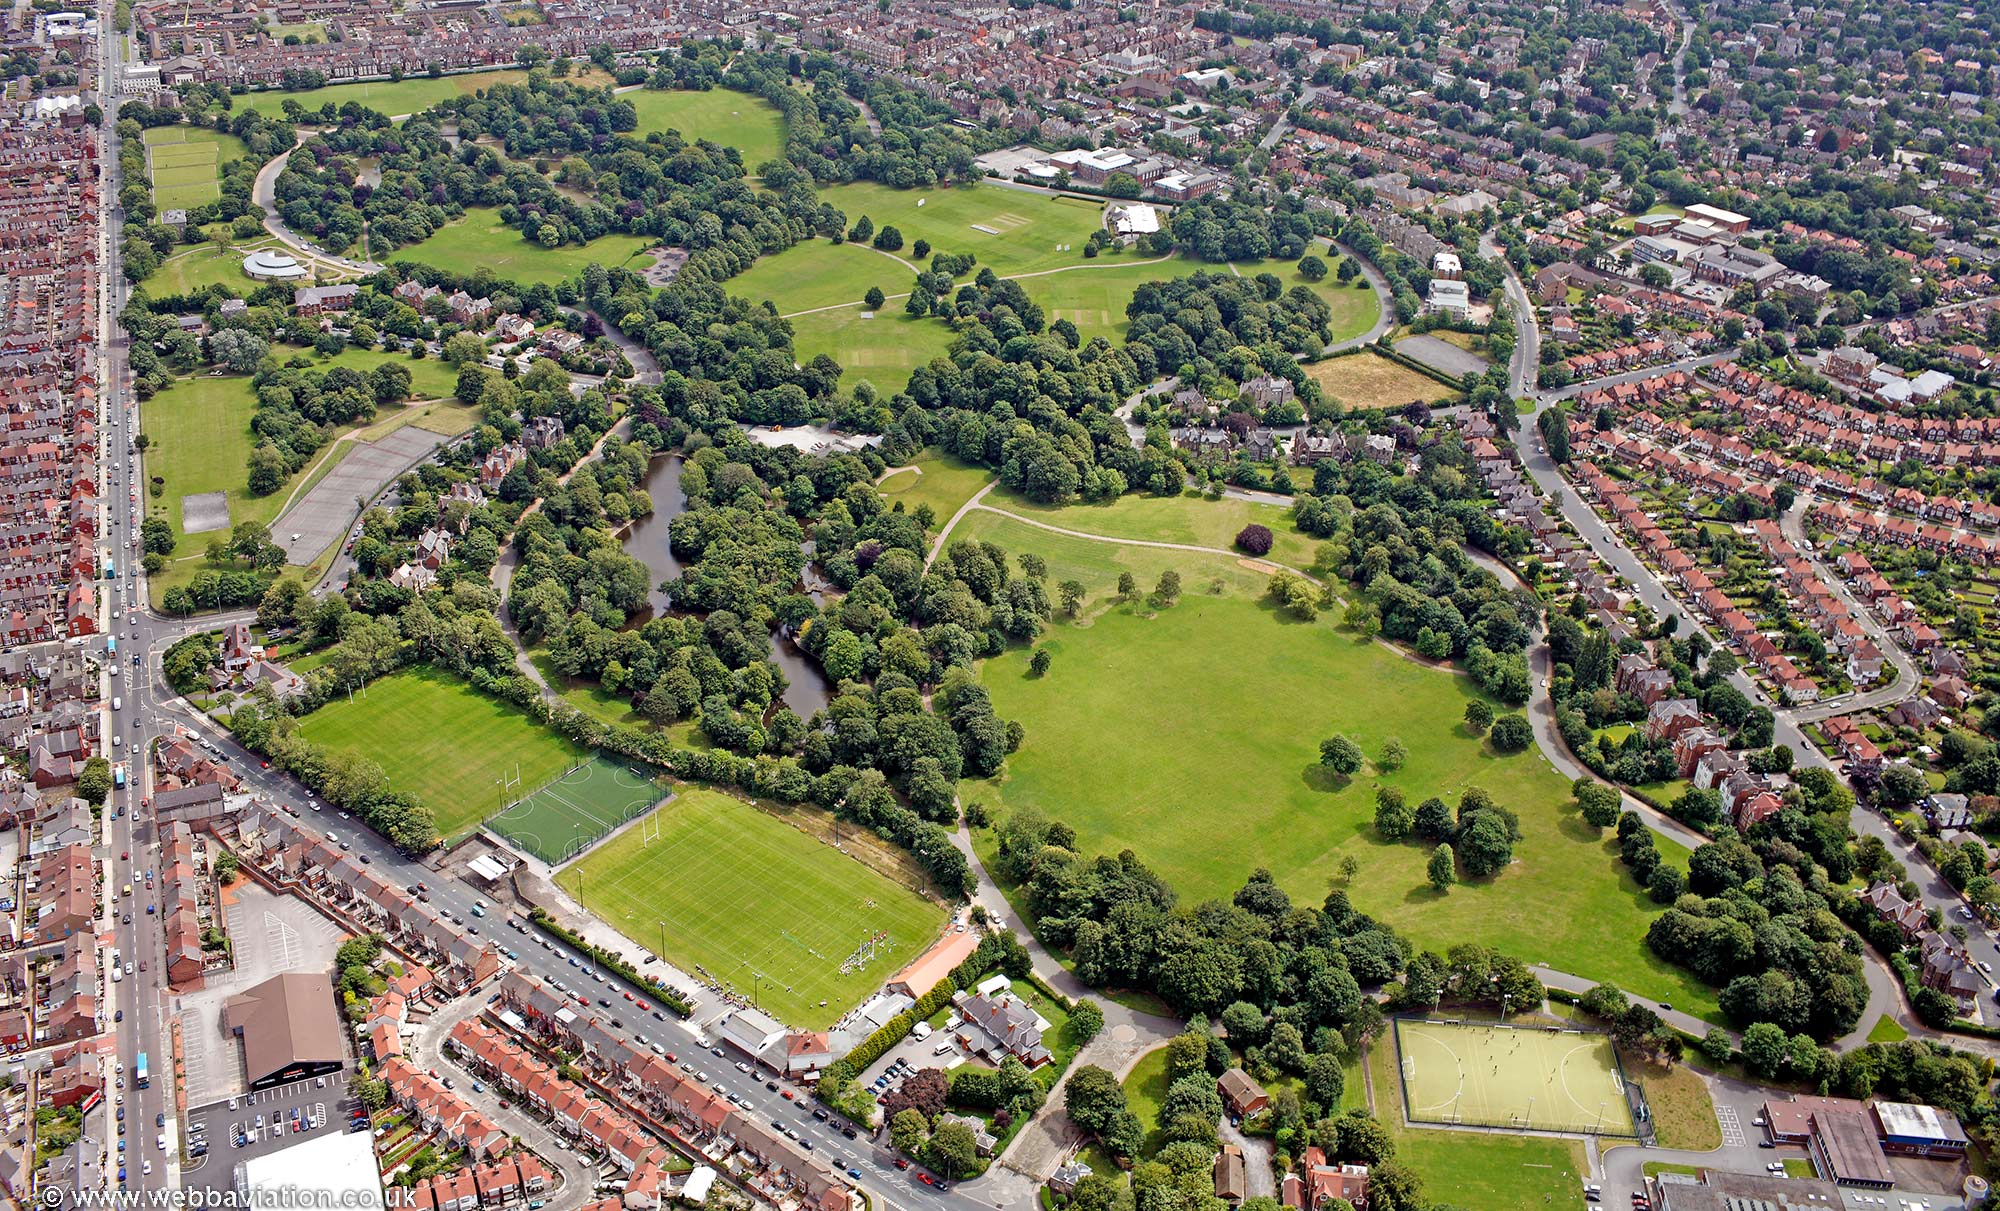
<point>1528,1077</point>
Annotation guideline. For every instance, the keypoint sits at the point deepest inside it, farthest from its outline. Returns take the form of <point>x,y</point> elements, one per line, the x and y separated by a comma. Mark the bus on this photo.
<point>111,646</point>
<point>110,567</point>
<point>118,776</point>
<point>139,1077</point>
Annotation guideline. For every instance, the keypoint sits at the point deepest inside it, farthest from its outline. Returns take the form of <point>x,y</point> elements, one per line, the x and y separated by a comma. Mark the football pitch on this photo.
<point>1528,1077</point>
<point>560,819</point>
<point>728,892</point>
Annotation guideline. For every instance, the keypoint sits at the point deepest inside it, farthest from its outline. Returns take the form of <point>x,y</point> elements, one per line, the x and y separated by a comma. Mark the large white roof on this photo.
<point>326,1171</point>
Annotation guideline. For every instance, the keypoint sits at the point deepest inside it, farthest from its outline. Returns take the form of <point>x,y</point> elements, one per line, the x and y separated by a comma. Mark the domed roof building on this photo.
<point>273,265</point>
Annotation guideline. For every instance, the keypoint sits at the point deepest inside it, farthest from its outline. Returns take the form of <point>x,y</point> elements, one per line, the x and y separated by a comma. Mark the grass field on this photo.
<point>1187,518</point>
<point>443,741</point>
<point>395,97</point>
<point>731,891</point>
<point>1478,1171</point>
<point>1092,294</point>
<point>748,123</point>
<point>480,238</point>
<point>200,431</point>
<point>1366,380</point>
<point>190,269</point>
<point>186,162</point>
<point>935,479</point>
<point>1525,1078</point>
<point>1683,1112</point>
<point>1123,730</point>
<point>1145,1089</point>
<point>559,820</point>
<point>429,377</point>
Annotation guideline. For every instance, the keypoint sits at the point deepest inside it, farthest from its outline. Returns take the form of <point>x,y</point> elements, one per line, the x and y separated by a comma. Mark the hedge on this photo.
<point>614,963</point>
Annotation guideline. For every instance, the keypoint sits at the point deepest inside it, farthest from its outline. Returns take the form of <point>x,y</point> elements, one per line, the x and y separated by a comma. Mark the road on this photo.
<point>1524,367</point>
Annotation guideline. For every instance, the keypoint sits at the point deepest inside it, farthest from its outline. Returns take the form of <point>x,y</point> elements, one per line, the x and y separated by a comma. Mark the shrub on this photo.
<point>1254,539</point>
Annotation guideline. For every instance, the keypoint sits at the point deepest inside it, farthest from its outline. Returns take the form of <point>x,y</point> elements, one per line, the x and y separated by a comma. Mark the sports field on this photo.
<point>936,479</point>
<point>1529,1078</point>
<point>1123,729</point>
<point>443,741</point>
<point>1368,380</point>
<point>186,162</point>
<point>480,238</point>
<point>882,348</point>
<point>559,820</point>
<point>721,888</point>
<point>744,121</point>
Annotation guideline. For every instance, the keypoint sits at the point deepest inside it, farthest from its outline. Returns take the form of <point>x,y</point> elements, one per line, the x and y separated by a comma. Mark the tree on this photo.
<point>1393,816</point>
<point>1478,716</point>
<point>1168,590</point>
<point>1071,594</point>
<point>1598,802</point>
<point>906,1131</point>
<point>1340,755</point>
<point>93,783</point>
<point>874,298</point>
<point>1658,276</point>
<point>464,349</point>
<point>1512,733</point>
<point>1093,1098</point>
<point>1311,268</point>
<point>1433,820</point>
<point>1554,424</point>
<point>1086,1018</point>
<point>1765,1048</point>
<point>1254,539</point>
<point>889,239</point>
<point>1038,664</point>
<point>1903,785</point>
<point>1485,844</point>
<point>1325,1081</point>
<point>1128,586</point>
<point>237,350</point>
<point>1440,868</point>
<point>1393,755</point>
<point>157,536</point>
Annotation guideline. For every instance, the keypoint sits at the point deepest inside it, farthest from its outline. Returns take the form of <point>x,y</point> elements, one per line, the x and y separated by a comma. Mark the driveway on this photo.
<point>1440,354</point>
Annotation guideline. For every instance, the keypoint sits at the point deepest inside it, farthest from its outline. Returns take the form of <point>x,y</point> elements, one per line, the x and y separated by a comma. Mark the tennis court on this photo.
<point>1525,1077</point>
<point>564,817</point>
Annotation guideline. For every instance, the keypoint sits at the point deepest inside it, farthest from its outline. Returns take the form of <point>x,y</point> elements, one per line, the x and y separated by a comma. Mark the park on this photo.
<point>1127,732</point>
<point>721,887</point>
<point>480,239</point>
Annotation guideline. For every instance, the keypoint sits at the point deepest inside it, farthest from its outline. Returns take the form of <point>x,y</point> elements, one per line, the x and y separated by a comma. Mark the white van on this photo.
<point>117,704</point>
<point>922,1030</point>
<point>943,1047</point>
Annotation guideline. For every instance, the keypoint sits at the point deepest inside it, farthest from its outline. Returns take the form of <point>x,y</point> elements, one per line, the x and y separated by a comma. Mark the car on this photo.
<point>716,1052</point>
<point>260,1122</point>
<point>702,1077</point>
<point>787,1094</point>
<point>778,1126</point>
<point>686,1067</point>
<point>232,1103</point>
<point>1775,1167</point>
<point>742,1067</point>
<point>847,1129</point>
<point>477,1087</point>
<point>672,1058</point>
<point>804,1143</point>
<point>1766,1144</point>
<point>128,918</point>
<point>146,1167</point>
<point>604,1002</point>
<point>628,996</point>
<point>659,1016</point>
<point>902,1162</point>
<point>820,1114</point>
<point>160,1119</point>
<point>926,1179</point>
<point>771,1085</point>
<point>854,1173</point>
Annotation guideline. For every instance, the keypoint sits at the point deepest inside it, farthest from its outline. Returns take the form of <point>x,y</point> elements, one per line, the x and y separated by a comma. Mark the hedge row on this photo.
<point>614,963</point>
<point>893,1031</point>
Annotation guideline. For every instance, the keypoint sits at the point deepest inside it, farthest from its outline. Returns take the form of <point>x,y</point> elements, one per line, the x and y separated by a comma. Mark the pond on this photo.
<point>649,540</point>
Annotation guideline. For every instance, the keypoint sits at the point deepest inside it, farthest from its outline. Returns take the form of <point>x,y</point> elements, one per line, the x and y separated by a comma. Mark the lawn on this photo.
<point>1188,518</point>
<point>442,741</point>
<point>729,890</point>
<point>1368,380</point>
<point>744,121</point>
<point>882,349</point>
<point>481,239</point>
<point>186,162</point>
<point>191,269</point>
<point>200,431</point>
<point>1109,753</point>
<point>936,479</point>
<point>429,377</point>
<point>1145,1089</point>
<point>1683,1111</point>
<point>1887,1030</point>
<point>1478,1171</point>
<point>394,97</point>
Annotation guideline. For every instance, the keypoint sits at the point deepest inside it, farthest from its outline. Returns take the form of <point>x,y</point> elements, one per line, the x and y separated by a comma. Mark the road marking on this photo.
<point>1732,1126</point>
